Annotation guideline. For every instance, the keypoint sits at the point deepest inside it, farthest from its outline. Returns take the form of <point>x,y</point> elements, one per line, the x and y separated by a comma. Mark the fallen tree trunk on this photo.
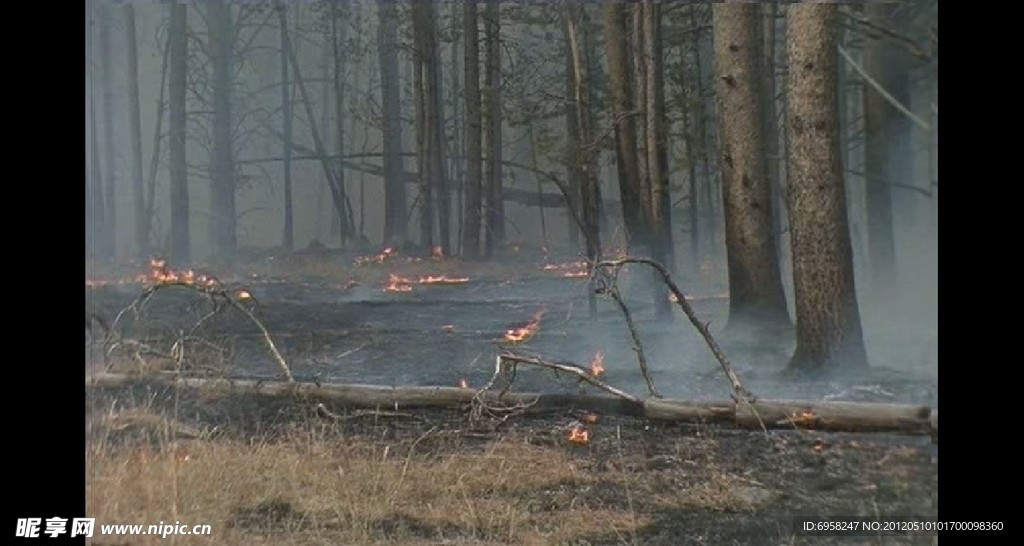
<point>777,414</point>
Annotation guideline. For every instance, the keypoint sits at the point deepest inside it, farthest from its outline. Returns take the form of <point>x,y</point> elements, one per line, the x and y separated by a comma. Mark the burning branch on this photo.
<point>584,374</point>
<point>161,276</point>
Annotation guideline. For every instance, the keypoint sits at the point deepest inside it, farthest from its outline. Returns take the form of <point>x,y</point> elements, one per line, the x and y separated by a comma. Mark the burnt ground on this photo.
<point>671,484</point>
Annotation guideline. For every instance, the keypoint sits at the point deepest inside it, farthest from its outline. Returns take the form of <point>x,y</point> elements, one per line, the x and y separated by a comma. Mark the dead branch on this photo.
<point>611,287</point>
<point>567,367</point>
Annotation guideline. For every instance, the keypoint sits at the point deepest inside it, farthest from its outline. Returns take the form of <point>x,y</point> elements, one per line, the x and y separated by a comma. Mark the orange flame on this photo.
<point>463,384</point>
<point>244,294</point>
<point>161,273</point>
<point>397,283</point>
<point>597,364</point>
<point>442,279</point>
<point>526,331</point>
<point>384,256</point>
<point>579,435</point>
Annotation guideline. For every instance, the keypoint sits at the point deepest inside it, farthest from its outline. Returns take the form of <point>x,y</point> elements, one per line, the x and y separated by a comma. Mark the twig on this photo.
<point>612,289</point>
<point>881,91</point>
<point>567,367</point>
<point>741,394</point>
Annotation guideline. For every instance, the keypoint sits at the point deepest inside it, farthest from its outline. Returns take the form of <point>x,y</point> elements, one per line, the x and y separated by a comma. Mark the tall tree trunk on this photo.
<point>827,317</point>
<point>756,298</point>
<point>222,194</point>
<point>694,199</point>
<point>424,170</point>
<point>456,151</point>
<point>494,233</point>
<point>582,141</point>
<point>395,220</point>
<point>142,221</point>
<point>657,148</point>
<point>881,244</point>
<point>435,119</point>
<point>706,191</point>
<point>635,14</point>
<point>178,73</point>
<point>630,190</point>
<point>286,130</point>
<point>339,37</point>
<point>474,164</point>
<point>771,127</point>
<point>110,188</point>
<point>94,202</point>
<point>572,150</point>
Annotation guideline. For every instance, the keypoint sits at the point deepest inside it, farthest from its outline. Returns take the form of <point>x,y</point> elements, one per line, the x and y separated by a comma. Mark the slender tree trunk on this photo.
<point>135,126</point>
<point>286,129</point>
<point>110,188</point>
<point>395,220</point>
<point>881,244</point>
<point>756,298</point>
<point>771,127</point>
<point>694,199</point>
<point>582,142</point>
<point>457,149</point>
<point>494,233</point>
<point>639,64</point>
<point>423,130</point>
<point>474,164</point>
<point>435,118</point>
<point>623,115</point>
<point>657,148</point>
<point>572,150</point>
<point>338,37</point>
<point>178,73</point>
<point>827,317</point>
<point>94,202</point>
<point>706,193</point>
<point>222,194</point>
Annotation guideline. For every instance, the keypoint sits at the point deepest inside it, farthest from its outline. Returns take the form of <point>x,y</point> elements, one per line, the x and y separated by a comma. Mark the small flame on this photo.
<point>579,435</point>
<point>384,256</point>
<point>442,279</point>
<point>597,364</point>
<point>161,273</point>
<point>437,252</point>
<point>397,283</point>
<point>526,331</point>
<point>448,328</point>
<point>463,384</point>
<point>244,295</point>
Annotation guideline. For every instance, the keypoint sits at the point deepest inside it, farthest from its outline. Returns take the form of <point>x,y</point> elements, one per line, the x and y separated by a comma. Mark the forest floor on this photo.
<point>263,473</point>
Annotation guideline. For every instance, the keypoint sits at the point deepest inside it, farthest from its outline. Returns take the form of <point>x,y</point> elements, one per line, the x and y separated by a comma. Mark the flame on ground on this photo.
<point>578,435</point>
<point>243,295</point>
<point>463,384</point>
<point>397,283</point>
<point>571,270</point>
<point>442,279</point>
<point>526,331</point>
<point>448,328</point>
<point>380,258</point>
<point>597,364</point>
<point>161,273</point>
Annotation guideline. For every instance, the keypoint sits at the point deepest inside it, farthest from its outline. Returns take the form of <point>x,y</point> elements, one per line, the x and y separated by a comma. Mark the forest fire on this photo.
<point>442,279</point>
<point>579,435</point>
<point>570,270</point>
<point>384,256</point>
<point>397,283</point>
<point>161,273</point>
<point>597,364</point>
<point>526,331</point>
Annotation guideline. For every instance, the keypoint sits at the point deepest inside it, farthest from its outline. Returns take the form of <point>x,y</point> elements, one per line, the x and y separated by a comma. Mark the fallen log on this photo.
<point>833,416</point>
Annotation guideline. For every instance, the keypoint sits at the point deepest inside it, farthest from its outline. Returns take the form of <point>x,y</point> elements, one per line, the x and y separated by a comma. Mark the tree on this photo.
<point>338,38</point>
<point>424,169</point>
<point>635,198</point>
<point>395,220</point>
<point>827,317</point>
<point>494,233</point>
<point>94,180</point>
<point>286,131</point>
<point>756,297</point>
<point>142,218</point>
<point>657,147</point>
<point>222,172</point>
<point>474,165</point>
<point>178,73</point>
<point>110,187</point>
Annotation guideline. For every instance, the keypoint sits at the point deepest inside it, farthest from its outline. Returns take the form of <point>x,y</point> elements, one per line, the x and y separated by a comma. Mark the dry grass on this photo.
<point>317,485</point>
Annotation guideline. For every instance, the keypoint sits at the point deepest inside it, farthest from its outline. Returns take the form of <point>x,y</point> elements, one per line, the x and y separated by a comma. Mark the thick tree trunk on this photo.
<point>178,73</point>
<point>657,149</point>
<point>395,221</point>
<point>623,116</point>
<point>142,220</point>
<point>286,130</point>
<point>494,233</point>
<point>110,172</point>
<point>827,317</point>
<point>474,162</point>
<point>771,127</point>
<point>877,149</point>
<point>756,298</point>
<point>222,175</point>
